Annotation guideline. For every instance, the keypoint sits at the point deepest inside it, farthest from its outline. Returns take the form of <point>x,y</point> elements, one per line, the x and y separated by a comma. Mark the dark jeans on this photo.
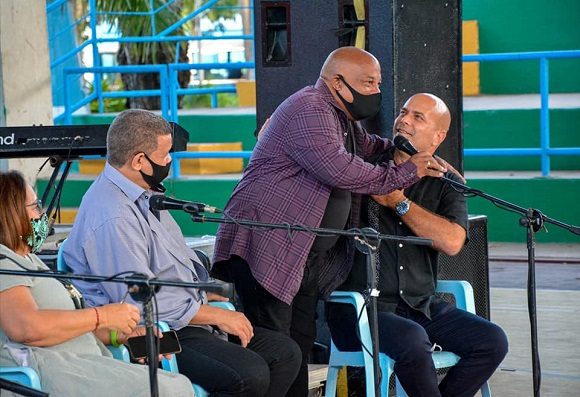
<point>407,336</point>
<point>298,320</point>
<point>266,367</point>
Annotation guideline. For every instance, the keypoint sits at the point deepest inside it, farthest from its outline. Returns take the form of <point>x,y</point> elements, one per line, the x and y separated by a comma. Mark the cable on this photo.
<point>156,315</point>
<point>365,233</point>
<point>367,297</point>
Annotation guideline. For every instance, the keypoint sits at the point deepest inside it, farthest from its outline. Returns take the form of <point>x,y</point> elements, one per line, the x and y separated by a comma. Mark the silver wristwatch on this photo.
<point>402,207</point>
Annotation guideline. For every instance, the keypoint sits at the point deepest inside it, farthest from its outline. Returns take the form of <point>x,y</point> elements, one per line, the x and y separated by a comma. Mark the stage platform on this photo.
<point>558,294</point>
<point>558,324</point>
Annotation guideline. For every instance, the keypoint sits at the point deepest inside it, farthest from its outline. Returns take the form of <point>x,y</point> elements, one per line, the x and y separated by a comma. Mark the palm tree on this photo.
<point>129,25</point>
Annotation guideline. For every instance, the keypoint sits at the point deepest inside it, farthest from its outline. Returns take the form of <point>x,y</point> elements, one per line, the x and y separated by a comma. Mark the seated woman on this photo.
<point>39,326</point>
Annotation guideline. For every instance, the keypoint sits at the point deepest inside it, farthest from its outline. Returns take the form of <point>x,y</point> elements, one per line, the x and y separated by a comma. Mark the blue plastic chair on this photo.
<point>61,265</point>
<point>463,293</point>
<point>24,375</point>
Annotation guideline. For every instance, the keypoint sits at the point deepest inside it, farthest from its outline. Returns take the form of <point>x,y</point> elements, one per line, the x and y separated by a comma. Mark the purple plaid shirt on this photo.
<point>299,158</point>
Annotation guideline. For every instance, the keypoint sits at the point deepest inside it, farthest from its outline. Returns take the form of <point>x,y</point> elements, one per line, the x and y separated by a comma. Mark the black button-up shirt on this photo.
<point>407,272</point>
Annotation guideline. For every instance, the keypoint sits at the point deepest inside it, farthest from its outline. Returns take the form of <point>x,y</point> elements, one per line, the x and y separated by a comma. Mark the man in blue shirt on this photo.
<point>115,231</point>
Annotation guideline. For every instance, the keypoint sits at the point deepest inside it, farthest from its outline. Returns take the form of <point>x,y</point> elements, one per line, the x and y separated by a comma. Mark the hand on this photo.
<point>451,168</point>
<point>391,199</point>
<point>427,165</point>
<point>236,323</point>
<point>138,331</point>
<point>142,331</point>
<point>216,298</point>
<point>263,128</point>
<point>123,317</point>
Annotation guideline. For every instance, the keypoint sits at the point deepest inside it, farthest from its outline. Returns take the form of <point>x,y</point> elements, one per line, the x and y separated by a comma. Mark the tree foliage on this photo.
<point>129,19</point>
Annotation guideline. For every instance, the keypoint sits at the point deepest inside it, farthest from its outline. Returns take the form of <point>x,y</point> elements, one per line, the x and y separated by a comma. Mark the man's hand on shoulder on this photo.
<point>427,165</point>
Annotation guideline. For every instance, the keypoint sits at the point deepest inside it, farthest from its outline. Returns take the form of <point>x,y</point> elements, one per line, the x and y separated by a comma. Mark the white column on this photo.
<point>25,74</point>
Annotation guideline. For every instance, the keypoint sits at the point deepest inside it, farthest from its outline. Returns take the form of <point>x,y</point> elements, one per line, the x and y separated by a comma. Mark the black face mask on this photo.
<point>362,106</point>
<point>160,172</point>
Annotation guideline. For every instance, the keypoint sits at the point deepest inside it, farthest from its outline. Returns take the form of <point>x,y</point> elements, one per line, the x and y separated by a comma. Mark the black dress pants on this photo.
<point>266,367</point>
<point>407,336</point>
<point>297,320</point>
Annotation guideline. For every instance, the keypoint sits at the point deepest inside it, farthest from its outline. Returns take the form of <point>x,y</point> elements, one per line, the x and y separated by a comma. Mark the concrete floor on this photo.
<point>559,348</point>
<point>558,294</point>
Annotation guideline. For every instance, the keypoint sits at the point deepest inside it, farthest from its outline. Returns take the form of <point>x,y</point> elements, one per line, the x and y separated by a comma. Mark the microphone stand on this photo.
<point>533,220</point>
<point>365,233</point>
<point>143,292</point>
<point>361,237</point>
<point>141,289</point>
<point>372,280</point>
<point>21,390</point>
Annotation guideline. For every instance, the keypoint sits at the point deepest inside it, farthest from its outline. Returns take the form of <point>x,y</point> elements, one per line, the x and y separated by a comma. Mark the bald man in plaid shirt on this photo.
<point>309,168</point>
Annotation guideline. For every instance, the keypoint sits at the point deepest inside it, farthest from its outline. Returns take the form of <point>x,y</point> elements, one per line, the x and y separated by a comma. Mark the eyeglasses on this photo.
<point>37,204</point>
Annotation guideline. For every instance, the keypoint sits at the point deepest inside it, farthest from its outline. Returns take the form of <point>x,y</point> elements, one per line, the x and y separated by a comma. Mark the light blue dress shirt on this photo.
<point>115,232</point>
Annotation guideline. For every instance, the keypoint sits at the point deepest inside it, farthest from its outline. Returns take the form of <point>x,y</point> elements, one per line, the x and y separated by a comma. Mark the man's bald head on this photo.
<point>440,111</point>
<point>346,59</point>
<point>350,68</point>
<point>424,120</point>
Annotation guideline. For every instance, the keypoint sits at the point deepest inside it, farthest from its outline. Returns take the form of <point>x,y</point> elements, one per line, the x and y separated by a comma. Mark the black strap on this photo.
<point>74,293</point>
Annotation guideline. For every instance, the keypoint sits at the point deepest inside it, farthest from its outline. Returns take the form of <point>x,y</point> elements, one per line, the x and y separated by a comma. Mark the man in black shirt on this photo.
<point>412,320</point>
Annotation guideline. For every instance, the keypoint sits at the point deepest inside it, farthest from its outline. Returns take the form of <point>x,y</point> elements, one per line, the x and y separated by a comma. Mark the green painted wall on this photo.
<point>519,129</point>
<point>531,25</point>
<point>220,128</point>
<point>482,129</point>
<point>203,128</point>
<point>556,198</point>
<point>545,194</point>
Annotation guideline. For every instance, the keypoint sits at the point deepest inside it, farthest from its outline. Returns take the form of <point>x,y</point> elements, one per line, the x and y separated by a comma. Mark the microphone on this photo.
<point>160,202</point>
<point>404,145</point>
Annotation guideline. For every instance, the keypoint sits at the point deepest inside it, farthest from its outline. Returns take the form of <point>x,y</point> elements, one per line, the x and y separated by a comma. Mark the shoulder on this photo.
<point>11,261</point>
<point>307,99</point>
<point>106,212</point>
<point>436,194</point>
<point>104,202</point>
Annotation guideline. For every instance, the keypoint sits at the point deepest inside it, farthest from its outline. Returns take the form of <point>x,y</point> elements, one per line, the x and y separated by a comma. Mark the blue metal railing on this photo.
<point>97,70</point>
<point>544,151</point>
<point>69,108</point>
<point>177,156</point>
<point>169,86</point>
<point>170,89</point>
<point>175,90</point>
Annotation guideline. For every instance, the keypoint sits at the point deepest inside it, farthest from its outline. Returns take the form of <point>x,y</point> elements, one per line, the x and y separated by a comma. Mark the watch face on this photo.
<point>402,207</point>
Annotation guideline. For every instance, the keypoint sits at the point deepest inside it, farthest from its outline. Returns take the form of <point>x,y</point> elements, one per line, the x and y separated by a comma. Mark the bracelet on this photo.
<point>98,319</point>
<point>114,341</point>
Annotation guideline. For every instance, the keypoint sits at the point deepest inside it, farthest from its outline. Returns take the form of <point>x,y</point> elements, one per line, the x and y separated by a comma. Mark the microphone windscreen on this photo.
<point>404,145</point>
<point>156,201</point>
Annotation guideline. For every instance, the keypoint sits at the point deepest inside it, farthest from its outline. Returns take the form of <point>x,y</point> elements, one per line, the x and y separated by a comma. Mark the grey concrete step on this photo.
<point>526,101</point>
